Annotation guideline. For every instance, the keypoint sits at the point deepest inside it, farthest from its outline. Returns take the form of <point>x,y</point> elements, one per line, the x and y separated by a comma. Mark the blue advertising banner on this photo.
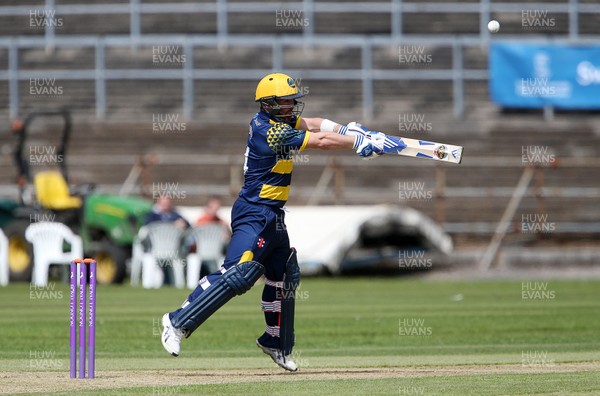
<point>535,76</point>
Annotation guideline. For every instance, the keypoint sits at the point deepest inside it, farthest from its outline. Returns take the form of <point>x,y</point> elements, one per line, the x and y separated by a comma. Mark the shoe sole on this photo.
<point>272,358</point>
<point>162,338</point>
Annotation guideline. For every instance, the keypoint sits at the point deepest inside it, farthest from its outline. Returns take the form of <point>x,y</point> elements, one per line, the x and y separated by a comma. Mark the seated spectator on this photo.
<point>210,214</point>
<point>163,211</point>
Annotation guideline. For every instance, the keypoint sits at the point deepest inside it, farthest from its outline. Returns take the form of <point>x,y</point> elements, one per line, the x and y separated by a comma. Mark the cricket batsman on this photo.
<point>260,244</point>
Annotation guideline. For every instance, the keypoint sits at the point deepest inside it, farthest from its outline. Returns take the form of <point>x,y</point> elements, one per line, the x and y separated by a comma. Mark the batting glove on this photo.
<point>353,129</point>
<point>367,147</point>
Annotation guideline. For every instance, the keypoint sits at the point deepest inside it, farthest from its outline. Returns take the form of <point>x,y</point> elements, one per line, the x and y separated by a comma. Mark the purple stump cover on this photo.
<point>92,322</point>
<point>73,320</point>
<point>82,287</point>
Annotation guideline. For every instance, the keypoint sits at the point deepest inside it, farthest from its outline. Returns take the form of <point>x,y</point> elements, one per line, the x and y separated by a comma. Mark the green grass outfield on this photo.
<point>355,336</point>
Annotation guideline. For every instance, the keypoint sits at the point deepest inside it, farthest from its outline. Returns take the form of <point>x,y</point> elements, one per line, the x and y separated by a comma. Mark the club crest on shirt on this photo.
<point>261,242</point>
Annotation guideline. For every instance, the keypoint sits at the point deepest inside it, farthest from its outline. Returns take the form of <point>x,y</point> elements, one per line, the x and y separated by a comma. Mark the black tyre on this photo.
<point>20,252</point>
<point>111,263</point>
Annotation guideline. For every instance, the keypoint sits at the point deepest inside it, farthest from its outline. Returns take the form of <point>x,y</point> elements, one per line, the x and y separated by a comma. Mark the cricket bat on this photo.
<point>422,149</point>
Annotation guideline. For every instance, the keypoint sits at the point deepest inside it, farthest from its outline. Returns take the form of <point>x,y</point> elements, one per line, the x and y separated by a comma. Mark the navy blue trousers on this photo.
<point>259,234</point>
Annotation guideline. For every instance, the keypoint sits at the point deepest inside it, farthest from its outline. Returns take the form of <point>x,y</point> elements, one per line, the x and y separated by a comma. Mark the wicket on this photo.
<point>79,270</point>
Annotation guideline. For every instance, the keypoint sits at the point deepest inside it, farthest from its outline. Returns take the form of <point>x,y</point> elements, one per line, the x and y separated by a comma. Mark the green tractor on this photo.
<point>110,224</point>
<point>107,223</point>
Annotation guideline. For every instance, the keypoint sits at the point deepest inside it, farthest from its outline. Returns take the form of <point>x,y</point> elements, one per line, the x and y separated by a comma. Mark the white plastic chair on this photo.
<point>164,240</point>
<point>209,247</point>
<point>137,252</point>
<point>48,239</point>
<point>4,270</point>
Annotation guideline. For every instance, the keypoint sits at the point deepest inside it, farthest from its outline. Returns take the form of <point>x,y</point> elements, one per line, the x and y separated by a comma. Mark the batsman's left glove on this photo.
<point>354,128</point>
<point>369,147</point>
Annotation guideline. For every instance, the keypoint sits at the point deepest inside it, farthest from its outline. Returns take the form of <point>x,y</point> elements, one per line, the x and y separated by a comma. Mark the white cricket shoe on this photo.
<point>285,362</point>
<point>171,337</point>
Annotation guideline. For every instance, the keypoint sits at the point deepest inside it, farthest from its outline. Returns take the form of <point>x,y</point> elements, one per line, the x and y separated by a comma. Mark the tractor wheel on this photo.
<point>111,263</point>
<point>20,251</point>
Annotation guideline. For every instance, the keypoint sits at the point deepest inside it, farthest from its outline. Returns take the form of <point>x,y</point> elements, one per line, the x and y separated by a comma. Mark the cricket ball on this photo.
<point>493,26</point>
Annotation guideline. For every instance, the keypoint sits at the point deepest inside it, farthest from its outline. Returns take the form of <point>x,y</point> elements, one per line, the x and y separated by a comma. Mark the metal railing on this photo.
<point>188,73</point>
<point>222,8</point>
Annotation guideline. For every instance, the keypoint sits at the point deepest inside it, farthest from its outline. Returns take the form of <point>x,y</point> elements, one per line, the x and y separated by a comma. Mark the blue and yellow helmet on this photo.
<point>279,86</point>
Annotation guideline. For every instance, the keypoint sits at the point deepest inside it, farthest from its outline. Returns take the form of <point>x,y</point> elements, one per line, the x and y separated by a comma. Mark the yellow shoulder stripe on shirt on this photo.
<point>305,142</point>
